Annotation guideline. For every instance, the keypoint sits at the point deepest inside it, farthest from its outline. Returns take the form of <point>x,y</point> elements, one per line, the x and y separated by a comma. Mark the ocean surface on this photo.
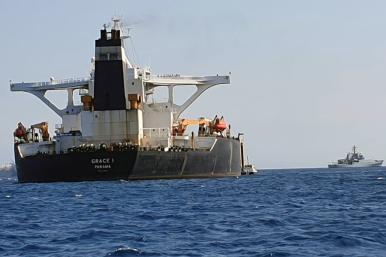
<point>299,212</point>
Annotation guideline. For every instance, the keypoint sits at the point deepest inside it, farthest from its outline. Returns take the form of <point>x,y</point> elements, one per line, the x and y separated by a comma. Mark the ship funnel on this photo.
<point>111,64</point>
<point>104,34</point>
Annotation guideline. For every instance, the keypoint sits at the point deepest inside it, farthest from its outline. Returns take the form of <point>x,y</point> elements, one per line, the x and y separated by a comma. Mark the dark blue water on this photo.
<point>276,213</point>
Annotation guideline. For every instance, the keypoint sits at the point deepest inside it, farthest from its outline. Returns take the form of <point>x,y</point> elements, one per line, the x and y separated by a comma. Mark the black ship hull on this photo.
<point>223,160</point>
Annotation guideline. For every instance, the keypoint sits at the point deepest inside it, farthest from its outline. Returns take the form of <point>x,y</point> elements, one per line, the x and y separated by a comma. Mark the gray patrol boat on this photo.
<point>355,159</point>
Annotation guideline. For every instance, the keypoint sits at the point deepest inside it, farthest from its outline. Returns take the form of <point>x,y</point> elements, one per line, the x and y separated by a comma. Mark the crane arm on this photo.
<point>43,127</point>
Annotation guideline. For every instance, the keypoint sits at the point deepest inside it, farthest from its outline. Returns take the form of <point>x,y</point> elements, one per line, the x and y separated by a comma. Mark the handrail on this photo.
<point>52,82</point>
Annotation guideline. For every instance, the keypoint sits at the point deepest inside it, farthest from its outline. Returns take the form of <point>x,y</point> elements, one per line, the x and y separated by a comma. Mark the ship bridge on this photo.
<point>202,83</point>
<point>39,89</point>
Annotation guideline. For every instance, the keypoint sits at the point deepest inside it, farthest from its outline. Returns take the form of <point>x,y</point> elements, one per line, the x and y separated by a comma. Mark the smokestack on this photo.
<point>103,34</point>
<point>113,34</point>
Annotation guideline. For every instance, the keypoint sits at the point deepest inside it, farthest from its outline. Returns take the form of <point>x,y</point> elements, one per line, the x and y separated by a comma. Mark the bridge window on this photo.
<point>113,56</point>
<point>103,57</point>
<point>108,56</point>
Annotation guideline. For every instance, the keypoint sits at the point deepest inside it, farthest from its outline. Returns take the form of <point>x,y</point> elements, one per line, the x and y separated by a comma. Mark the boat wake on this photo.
<point>8,170</point>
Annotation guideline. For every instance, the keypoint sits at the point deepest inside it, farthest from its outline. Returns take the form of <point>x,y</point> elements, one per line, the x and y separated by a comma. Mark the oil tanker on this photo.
<point>120,131</point>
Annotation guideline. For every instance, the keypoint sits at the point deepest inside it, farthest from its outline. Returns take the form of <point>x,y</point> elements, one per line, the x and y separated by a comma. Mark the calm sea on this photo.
<point>305,212</point>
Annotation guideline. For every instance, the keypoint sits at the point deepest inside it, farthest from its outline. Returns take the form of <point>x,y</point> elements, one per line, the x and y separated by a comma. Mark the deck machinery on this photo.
<point>119,131</point>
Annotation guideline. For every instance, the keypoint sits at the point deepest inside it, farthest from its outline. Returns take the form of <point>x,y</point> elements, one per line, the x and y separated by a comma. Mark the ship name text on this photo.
<point>102,163</point>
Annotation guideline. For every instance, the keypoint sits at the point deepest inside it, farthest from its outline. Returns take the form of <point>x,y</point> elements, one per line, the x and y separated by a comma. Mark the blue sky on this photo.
<point>308,77</point>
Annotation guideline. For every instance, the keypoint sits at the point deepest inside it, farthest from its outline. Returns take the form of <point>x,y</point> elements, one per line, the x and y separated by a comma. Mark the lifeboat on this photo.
<point>20,131</point>
<point>219,125</point>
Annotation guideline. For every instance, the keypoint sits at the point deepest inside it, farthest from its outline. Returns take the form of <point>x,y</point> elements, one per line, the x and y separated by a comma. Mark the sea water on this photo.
<point>300,212</point>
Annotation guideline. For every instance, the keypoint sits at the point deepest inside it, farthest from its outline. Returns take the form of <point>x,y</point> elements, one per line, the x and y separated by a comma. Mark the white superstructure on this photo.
<point>141,121</point>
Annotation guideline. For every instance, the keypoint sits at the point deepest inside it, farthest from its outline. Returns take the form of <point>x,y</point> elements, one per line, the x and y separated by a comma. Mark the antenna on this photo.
<point>118,24</point>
